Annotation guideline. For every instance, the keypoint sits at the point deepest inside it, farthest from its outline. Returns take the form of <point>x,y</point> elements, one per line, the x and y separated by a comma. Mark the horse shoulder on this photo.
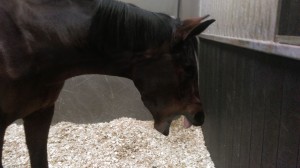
<point>14,58</point>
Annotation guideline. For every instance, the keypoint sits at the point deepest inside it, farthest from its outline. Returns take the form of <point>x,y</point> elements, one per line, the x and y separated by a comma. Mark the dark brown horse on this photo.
<point>45,42</point>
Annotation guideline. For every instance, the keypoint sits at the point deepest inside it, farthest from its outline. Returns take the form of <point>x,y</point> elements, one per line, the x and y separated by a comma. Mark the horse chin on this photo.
<point>163,127</point>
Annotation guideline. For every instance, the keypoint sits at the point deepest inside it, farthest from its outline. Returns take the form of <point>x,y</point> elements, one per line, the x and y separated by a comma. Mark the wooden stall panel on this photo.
<point>289,18</point>
<point>252,105</point>
<point>166,6</point>
<point>251,19</point>
<point>273,87</point>
<point>289,140</point>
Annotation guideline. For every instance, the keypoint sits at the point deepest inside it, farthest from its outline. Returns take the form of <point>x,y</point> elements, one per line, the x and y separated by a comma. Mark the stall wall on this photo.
<point>166,6</point>
<point>251,97</point>
<point>252,107</point>
<point>189,9</point>
<point>255,19</point>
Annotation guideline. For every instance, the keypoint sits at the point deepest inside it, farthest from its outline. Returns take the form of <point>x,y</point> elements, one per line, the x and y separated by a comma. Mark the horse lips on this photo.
<point>186,123</point>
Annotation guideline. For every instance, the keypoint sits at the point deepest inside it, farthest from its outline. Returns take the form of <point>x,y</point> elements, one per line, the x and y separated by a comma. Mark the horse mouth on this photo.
<point>164,126</point>
<point>196,120</point>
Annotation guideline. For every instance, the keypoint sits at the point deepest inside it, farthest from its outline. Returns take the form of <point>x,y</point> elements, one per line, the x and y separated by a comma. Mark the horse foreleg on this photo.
<point>2,132</point>
<point>37,127</point>
<point>3,126</point>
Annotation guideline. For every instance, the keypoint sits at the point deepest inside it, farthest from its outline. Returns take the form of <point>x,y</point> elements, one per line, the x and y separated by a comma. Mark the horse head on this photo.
<point>167,77</point>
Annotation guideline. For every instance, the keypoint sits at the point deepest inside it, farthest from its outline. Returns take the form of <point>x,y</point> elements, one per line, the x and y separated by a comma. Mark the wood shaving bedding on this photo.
<point>120,143</point>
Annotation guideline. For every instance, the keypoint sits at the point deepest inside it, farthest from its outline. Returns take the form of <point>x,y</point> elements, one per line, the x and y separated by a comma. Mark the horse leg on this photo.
<point>37,127</point>
<point>4,123</point>
<point>2,132</point>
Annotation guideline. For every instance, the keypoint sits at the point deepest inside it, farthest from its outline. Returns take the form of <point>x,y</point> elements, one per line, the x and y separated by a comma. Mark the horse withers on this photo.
<point>44,42</point>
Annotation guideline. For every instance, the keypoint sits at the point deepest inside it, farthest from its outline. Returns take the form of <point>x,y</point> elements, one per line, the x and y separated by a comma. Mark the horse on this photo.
<point>45,42</point>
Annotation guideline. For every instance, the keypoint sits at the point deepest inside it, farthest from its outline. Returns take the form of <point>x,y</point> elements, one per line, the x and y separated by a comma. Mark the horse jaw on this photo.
<point>163,127</point>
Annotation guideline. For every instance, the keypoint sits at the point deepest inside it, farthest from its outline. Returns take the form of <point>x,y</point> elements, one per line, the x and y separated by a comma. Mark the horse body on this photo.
<point>44,42</point>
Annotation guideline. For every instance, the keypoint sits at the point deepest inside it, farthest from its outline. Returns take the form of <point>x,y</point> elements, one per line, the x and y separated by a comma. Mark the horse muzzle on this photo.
<point>194,116</point>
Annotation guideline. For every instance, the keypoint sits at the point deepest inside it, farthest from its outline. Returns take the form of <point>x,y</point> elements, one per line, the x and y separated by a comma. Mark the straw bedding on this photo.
<point>123,142</point>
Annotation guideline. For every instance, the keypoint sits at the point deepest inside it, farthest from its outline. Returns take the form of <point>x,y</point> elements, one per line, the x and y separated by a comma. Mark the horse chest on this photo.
<point>18,99</point>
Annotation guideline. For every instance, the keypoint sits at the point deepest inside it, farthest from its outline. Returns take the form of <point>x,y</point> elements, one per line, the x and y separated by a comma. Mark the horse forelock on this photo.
<point>122,26</point>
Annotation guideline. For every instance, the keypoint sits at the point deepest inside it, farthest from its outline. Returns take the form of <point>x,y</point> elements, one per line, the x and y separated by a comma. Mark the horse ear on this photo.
<point>192,27</point>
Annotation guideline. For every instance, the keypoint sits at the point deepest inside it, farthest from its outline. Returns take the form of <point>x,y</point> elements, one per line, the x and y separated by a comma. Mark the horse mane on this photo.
<point>119,26</point>
<point>109,25</point>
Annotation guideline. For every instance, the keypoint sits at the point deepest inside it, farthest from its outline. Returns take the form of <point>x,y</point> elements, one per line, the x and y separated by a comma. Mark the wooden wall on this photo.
<point>252,105</point>
<point>290,18</point>
<point>246,19</point>
<point>166,6</point>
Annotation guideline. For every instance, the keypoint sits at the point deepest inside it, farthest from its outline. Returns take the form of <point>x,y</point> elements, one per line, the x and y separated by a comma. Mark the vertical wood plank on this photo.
<point>298,162</point>
<point>272,112</point>
<point>214,96</point>
<point>290,118</point>
<point>238,104</point>
<point>223,122</point>
<point>259,95</point>
<point>209,126</point>
<point>246,108</point>
<point>229,94</point>
<point>220,109</point>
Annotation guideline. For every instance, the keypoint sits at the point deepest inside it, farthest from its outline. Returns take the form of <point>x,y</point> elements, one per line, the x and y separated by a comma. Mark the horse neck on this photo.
<point>119,26</point>
<point>46,22</point>
<point>107,46</point>
<point>55,36</point>
<point>70,63</point>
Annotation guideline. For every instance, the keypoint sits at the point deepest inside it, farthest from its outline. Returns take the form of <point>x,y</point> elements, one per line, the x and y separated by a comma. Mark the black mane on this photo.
<point>119,26</point>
